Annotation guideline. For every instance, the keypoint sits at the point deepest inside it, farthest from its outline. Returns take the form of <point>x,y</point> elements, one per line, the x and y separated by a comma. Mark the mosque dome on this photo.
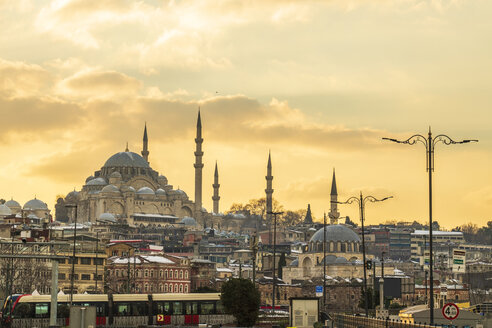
<point>110,188</point>
<point>73,194</point>
<point>187,221</point>
<point>12,204</point>
<point>160,191</point>
<point>35,204</point>
<point>97,182</point>
<point>126,159</point>
<point>145,191</point>
<point>115,174</point>
<point>89,178</point>
<point>107,217</point>
<point>335,232</point>
<point>5,210</point>
<point>181,193</point>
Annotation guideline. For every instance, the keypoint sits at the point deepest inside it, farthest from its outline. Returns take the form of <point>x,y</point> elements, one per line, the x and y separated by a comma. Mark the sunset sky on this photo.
<point>316,82</point>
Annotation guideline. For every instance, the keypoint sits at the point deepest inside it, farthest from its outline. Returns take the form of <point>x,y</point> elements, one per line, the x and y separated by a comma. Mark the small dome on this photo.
<point>160,192</point>
<point>5,210</point>
<point>125,188</point>
<point>73,194</point>
<point>115,174</point>
<point>181,193</point>
<point>126,159</point>
<point>162,180</point>
<point>89,178</point>
<point>110,188</point>
<point>107,217</point>
<point>12,204</point>
<point>35,204</point>
<point>97,182</point>
<point>145,191</point>
<point>341,260</point>
<point>335,232</point>
<point>187,221</point>
<point>131,189</point>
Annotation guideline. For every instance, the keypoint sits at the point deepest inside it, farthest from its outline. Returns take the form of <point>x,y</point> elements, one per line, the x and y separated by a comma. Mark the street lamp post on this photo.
<point>274,251</point>
<point>430,143</point>
<point>361,201</point>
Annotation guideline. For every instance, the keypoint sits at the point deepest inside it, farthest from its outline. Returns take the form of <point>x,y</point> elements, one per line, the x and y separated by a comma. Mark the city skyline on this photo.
<point>78,80</point>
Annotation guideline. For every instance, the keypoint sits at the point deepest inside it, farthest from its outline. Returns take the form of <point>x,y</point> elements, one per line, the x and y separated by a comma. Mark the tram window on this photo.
<point>220,308</point>
<point>22,310</point>
<point>123,309</point>
<point>162,308</point>
<point>139,308</point>
<point>63,310</point>
<point>191,308</point>
<point>41,310</point>
<point>207,308</point>
<point>177,308</point>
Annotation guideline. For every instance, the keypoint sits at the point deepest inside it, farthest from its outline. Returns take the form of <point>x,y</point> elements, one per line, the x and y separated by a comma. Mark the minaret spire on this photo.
<point>308,219</point>
<point>216,186</point>
<point>334,214</point>
<point>198,168</point>
<point>145,150</point>
<point>269,189</point>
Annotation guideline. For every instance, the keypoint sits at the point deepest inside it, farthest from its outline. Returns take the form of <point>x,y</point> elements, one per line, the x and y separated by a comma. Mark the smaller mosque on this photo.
<point>342,246</point>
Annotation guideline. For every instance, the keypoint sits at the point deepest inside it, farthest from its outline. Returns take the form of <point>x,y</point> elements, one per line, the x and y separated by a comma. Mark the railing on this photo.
<point>348,321</point>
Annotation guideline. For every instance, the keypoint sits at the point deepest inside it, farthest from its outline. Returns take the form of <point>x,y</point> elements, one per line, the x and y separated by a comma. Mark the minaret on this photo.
<point>216,186</point>
<point>334,214</point>
<point>198,168</point>
<point>269,190</point>
<point>145,150</point>
<point>308,219</point>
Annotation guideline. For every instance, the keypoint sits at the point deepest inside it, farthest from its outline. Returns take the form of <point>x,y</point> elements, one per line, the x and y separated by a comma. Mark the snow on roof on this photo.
<point>437,233</point>
<point>224,270</point>
<point>147,258</point>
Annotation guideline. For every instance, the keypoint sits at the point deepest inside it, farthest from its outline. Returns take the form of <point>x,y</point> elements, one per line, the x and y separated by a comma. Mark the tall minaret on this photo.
<point>198,168</point>
<point>145,150</point>
<point>216,186</point>
<point>334,214</point>
<point>269,190</point>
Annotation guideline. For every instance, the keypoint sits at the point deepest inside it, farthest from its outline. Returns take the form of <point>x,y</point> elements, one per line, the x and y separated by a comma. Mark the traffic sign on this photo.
<point>319,291</point>
<point>160,318</point>
<point>450,311</point>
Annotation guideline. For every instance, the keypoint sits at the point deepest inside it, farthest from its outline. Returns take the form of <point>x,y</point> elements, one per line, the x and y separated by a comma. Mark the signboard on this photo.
<point>160,318</point>
<point>319,291</point>
<point>450,311</point>
<point>459,261</point>
<point>444,291</point>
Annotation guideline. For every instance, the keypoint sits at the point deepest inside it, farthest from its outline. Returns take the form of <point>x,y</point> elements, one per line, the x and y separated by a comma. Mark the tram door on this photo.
<point>303,312</point>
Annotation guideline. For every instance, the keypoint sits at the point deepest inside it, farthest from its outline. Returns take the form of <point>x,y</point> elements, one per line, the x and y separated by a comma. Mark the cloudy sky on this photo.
<point>316,82</point>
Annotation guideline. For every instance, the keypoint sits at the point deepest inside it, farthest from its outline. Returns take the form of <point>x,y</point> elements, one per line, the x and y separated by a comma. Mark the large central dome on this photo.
<point>126,159</point>
<point>335,232</point>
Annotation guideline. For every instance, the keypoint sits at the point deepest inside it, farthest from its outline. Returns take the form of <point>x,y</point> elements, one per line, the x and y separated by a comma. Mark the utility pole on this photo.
<point>274,251</point>
<point>97,250</point>
<point>54,293</point>
<point>73,253</point>
<point>324,260</point>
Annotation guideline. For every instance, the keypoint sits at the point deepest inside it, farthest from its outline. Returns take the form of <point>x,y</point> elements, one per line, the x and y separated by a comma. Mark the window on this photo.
<point>170,288</point>
<point>186,274</point>
<point>70,260</point>
<point>175,288</point>
<point>61,276</point>
<point>207,308</point>
<point>86,277</point>
<point>41,310</point>
<point>123,309</point>
<point>146,288</point>
<point>98,261</point>
<point>161,273</point>
<point>146,273</point>
<point>180,288</point>
<point>171,274</point>
<point>186,289</point>
<point>85,260</point>
<point>160,288</point>
<point>176,274</point>
<point>75,276</point>
<point>165,274</point>
<point>177,308</point>
<point>165,288</point>
<point>163,308</point>
<point>181,274</point>
<point>151,273</point>
<point>191,308</point>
